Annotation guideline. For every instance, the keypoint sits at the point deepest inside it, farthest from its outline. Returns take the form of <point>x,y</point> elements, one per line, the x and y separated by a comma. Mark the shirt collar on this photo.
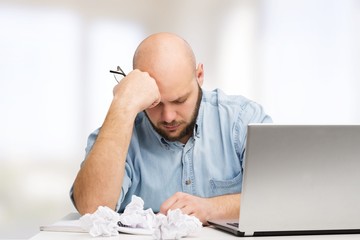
<point>199,119</point>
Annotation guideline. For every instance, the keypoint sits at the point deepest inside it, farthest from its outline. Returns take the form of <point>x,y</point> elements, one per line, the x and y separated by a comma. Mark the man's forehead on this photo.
<point>176,94</point>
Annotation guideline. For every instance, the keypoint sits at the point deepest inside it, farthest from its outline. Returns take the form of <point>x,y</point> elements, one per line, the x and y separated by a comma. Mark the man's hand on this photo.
<point>220,207</point>
<point>188,204</point>
<point>137,92</point>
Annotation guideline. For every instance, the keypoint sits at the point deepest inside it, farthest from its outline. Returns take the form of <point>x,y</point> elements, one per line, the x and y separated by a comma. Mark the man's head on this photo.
<point>171,62</point>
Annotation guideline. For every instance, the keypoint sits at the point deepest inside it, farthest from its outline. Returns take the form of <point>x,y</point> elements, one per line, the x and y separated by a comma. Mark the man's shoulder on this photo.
<point>218,98</point>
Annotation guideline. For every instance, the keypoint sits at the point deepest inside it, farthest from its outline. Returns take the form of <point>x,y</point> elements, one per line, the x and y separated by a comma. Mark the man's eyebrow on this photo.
<point>182,98</point>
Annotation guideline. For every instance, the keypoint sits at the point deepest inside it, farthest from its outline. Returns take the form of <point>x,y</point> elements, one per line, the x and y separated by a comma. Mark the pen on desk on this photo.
<point>54,228</point>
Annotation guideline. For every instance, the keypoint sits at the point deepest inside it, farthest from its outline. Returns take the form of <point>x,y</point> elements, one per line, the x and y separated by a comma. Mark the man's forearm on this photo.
<point>100,179</point>
<point>226,206</point>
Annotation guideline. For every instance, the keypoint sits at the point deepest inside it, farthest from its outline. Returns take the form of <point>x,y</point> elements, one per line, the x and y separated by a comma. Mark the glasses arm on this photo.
<point>119,71</point>
<point>116,72</point>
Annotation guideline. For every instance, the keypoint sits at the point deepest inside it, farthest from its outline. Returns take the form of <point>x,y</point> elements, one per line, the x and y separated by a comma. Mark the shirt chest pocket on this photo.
<point>227,186</point>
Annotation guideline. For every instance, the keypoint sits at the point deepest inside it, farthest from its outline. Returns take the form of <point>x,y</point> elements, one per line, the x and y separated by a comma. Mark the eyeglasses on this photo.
<point>118,72</point>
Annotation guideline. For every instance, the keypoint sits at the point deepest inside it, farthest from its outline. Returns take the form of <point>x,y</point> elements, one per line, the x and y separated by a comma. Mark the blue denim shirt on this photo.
<point>209,164</point>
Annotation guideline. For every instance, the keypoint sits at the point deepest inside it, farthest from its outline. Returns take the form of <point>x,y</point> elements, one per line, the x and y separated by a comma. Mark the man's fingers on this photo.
<point>185,209</point>
<point>178,200</point>
<point>156,102</point>
<point>165,206</point>
<point>189,210</point>
<point>188,204</point>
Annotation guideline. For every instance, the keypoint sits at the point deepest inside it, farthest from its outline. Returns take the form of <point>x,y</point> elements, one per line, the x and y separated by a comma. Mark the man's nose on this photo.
<point>168,114</point>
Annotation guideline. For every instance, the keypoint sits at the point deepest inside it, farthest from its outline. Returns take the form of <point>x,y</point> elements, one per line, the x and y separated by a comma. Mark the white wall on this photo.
<point>300,59</point>
<point>309,60</point>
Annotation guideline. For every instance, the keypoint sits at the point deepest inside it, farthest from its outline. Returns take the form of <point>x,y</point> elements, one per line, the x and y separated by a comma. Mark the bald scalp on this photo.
<point>163,51</point>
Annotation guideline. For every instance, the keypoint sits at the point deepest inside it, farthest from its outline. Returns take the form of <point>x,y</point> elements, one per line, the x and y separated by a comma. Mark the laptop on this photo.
<point>299,179</point>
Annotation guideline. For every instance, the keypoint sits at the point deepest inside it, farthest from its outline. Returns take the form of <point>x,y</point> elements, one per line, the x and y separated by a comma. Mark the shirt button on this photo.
<point>188,182</point>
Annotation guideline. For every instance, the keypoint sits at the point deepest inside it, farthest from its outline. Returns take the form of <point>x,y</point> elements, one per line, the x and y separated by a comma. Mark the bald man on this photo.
<point>166,140</point>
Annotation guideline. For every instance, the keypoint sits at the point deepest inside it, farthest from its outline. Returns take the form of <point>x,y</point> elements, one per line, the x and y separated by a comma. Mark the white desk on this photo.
<point>207,233</point>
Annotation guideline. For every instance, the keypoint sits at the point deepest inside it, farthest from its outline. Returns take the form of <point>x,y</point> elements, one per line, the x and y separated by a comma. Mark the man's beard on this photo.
<point>188,130</point>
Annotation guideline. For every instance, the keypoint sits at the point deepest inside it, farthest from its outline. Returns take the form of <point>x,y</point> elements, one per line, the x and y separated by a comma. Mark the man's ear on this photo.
<point>200,74</point>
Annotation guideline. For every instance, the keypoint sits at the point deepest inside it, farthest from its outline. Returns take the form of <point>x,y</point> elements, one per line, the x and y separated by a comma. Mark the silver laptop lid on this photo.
<point>301,178</point>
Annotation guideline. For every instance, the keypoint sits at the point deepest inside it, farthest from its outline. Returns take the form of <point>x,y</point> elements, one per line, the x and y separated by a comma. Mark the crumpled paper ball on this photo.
<point>136,217</point>
<point>103,222</point>
<point>175,225</point>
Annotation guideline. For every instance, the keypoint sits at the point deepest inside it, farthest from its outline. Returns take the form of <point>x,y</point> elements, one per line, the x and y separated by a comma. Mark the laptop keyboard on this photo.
<point>234,224</point>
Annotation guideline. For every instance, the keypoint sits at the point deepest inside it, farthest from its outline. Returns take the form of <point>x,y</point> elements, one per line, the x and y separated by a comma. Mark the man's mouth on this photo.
<point>171,127</point>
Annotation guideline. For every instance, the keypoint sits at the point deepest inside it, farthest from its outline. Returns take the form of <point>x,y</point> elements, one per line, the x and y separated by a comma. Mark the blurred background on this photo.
<point>300,59</point>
